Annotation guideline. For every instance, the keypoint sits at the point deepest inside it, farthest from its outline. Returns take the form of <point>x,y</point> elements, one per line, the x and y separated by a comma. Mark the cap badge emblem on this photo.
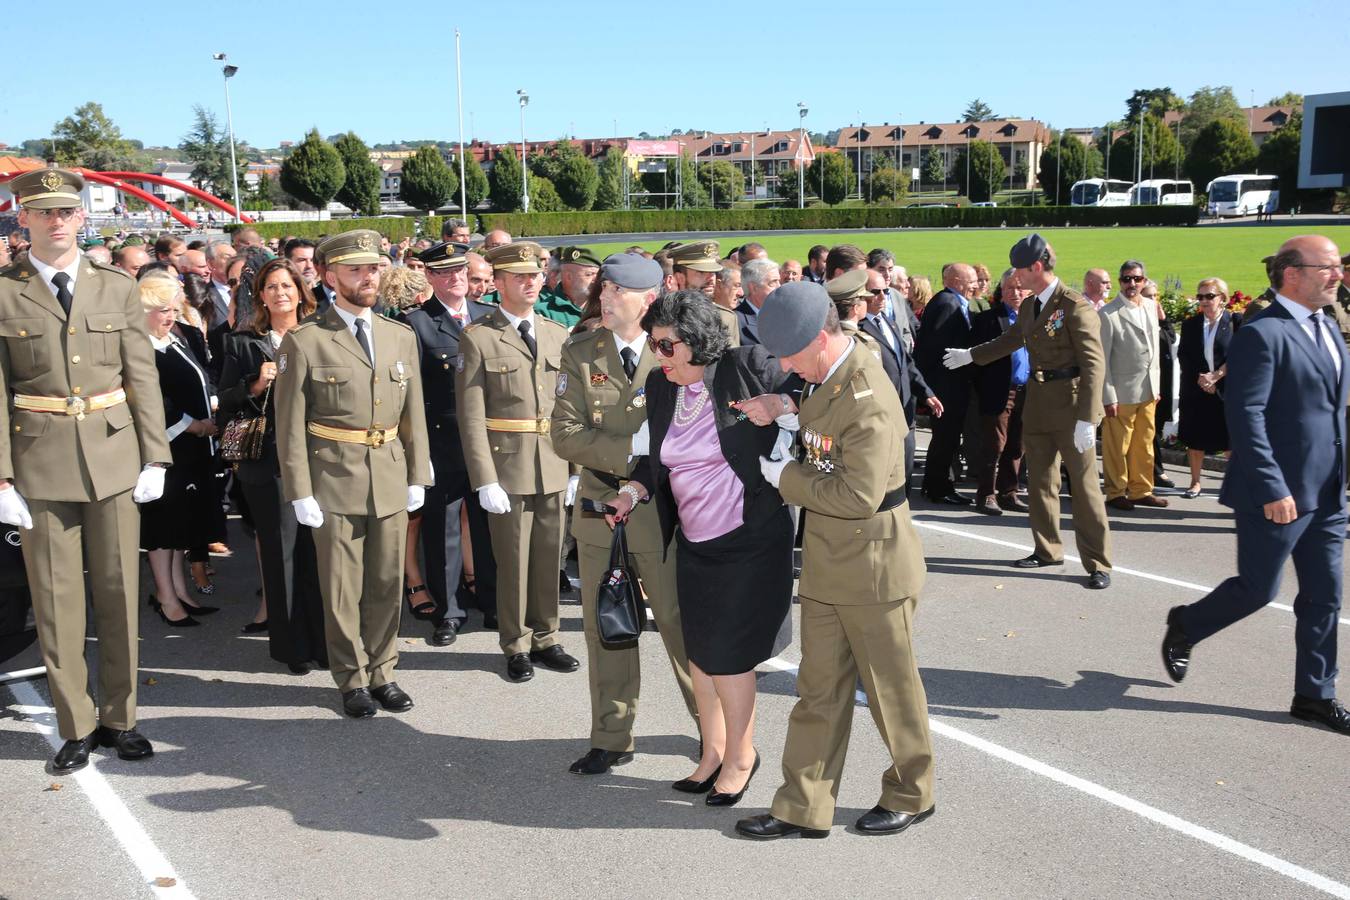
<point>51,181</point>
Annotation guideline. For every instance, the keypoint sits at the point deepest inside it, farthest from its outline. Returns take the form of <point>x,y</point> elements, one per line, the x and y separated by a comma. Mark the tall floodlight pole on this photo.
<point>524,169</point>
<point>1139,167</point>
<point>228,71</point>
<point>801,156</point>
<point>459,99</point>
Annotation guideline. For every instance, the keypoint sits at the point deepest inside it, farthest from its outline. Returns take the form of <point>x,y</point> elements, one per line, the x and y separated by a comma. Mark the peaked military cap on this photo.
<point>351,248</point>
<point>701,256</point>
<point>848,285</point>
<point>445,255</point>
<point>520,257</point>
<point>578,256</point>
<point>48,189</point>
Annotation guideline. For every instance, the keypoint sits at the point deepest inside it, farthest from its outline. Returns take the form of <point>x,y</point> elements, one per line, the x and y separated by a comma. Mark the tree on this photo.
<point>987,171</point>
<point>1206,105</point>
<point>978,111</point>
<point>1288,98</point>
<point>1162,153</point>
<point>577,182</point>
<point>207,147</point>
<point>886,183</point>
<point>1222,147</point>
<point>475,182</point>
<point>89,138</point>
<point>506,180</point>
<point>933,170</point>
<point>1159,100</point>
<point>549,162</point>
<point>786,185</point>
<point>723,181</point>
<point>360,191</point>
<point>267,194</point>
<point>1278,156</point>
<point>1064,161</point>
<point>832,175</point>
<point>609,192</point>
<point>313,172</point>
<point>543,197</point>
<point>427,182</point>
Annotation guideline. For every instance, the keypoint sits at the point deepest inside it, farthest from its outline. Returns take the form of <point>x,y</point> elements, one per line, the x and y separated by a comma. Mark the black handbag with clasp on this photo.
<point>620,610</point>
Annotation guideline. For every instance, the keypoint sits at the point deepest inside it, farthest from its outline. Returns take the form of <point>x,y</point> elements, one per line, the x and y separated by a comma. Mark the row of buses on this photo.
<point>1231,195</point>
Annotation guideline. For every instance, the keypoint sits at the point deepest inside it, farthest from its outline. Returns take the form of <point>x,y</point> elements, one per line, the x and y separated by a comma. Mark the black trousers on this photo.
<point>947,431</point>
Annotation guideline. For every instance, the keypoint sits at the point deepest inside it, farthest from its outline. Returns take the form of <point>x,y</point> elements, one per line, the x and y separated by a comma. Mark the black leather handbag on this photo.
<point>620,610</point>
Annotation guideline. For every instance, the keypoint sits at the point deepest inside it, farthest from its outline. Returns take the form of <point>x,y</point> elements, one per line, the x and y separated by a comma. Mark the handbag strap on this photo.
<point>618,547</point>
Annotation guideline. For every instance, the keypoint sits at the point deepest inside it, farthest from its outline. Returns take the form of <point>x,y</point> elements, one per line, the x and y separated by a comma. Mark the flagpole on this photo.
<point>459,95</point>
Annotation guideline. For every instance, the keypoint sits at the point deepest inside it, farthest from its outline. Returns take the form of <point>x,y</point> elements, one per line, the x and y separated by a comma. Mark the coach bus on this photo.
<point>1162,192</point>
<point>1100,192</point>
<point>1243,195</point>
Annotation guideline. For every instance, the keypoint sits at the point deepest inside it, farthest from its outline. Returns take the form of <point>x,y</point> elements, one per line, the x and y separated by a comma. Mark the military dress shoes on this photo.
<point>1122,503</point>
<point>1099,580</point>
<point>445,632</point>
<point>555,658</point>
<point>392,697</point>
<point>1035,562</point>
<point>74,755</point>
<point>1328,712</point>
<point>130,744</point>
<point>989,506</point>
<point>358,704</point>
<point>1176,647</point>
<point>490,621</point>
<point>768,827</point>
<point>1151,500</point>
<point>519,668</point>
<point>879,820</point>
<point>598,762</point>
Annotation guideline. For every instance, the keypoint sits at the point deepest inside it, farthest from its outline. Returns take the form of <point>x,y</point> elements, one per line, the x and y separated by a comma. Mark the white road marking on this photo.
<point>110,808</point>
<point>1115,798</point>
<point>1149,576</point>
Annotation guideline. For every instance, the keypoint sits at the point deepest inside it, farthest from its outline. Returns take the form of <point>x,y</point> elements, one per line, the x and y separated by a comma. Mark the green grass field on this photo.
<point>1190,254</point>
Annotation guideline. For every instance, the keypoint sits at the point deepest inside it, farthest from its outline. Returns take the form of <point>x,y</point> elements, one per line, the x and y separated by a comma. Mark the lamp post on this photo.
<point>524,169</point>
<point>228,71</point>
<point>801,154</point>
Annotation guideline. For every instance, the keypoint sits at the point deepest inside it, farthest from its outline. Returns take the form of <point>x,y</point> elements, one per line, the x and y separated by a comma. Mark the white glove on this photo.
<point>307,512</point>
<point>642,441</point>
<point>955,358</point>
<point>789,422</point>
<point>150,484</point>
<point>1084,436</point>
<point>570,495</point>
<point>782,446</point>
<point>417,495</point>
<point>493,499</point>
<point>13,509</point>
<point>772,469</point>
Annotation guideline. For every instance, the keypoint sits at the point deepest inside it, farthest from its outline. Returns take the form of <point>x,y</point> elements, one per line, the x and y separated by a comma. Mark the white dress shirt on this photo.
<point>46,272</point>
<point>351,319</point>
<point>1303,316</point>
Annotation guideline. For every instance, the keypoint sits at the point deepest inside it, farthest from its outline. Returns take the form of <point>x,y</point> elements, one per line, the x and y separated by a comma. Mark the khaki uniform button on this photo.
<point>630,409</point>
<point>332,380</point>
<point>71,330</point>
<point>75,390</point>
<point>18,428</point>
<point>75,360</point>
<point>377,401</point>
<point>597,403</point>
<point>107,328</point>
<point>445,365</point>
<point>858,531</point>
<point>496,449</point>
<point>23,332</point>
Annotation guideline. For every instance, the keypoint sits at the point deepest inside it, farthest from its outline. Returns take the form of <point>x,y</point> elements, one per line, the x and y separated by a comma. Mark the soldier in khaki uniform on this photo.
<point>1063,406</point>
<point>695,266</point>
<point>600,423</point>
<point>352,443</point>
<point>82,441</point>
<point>506,384</point>
<point>862,569</point>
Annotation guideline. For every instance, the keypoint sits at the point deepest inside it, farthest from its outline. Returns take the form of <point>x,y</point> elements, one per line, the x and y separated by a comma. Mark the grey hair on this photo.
<point>1133,264</point>
<point>756,271</point>
<point>694,319</point>
<point>213,249</point>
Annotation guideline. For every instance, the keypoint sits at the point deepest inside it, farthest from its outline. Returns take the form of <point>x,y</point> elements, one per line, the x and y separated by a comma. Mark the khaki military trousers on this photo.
<point>361,573</point>
<point>1127,450</point>
<point>526,542</point>
<point>1044,451</point>
<point>615,675</point>
<point>839,645</point>
<point>66,537</point>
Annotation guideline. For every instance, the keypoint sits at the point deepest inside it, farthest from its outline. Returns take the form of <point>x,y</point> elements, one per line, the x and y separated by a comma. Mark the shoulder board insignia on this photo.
<point>858,395</point>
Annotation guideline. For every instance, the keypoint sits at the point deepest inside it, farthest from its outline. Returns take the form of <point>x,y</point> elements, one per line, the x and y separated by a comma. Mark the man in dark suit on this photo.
<point>1001,394</point>
<point>946,323</point>
<point>1286,479</point>
<point>759,278</point>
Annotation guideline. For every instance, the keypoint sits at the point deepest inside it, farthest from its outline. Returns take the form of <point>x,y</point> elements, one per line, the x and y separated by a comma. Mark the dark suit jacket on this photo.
<point>1191,349</point>
<point>244,353</point>
<point>943,327</point>
<point>749,322</point>
<point>741,373</point>
<point>992,380</point>
<point>1285,410</point>
<point>909,381</point>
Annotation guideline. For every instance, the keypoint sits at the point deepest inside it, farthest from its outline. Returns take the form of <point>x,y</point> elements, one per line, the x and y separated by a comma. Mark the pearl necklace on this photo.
<point>686,416</point>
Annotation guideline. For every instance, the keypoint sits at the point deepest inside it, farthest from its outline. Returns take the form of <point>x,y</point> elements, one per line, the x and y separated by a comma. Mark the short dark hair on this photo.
<point>297,244</point>
<point>819,251</point>
<point>1133,264</point>
<point>844,256</point>
<point>879,256</point>
<point>164,246</point>
<point>694,318</point>
<point>1285,259</point>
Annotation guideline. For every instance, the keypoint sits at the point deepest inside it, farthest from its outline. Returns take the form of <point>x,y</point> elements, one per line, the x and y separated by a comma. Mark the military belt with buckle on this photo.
<point>524,426</point>
<point>70,406</point>
<point>371,437</point>
<point>1044,375</point>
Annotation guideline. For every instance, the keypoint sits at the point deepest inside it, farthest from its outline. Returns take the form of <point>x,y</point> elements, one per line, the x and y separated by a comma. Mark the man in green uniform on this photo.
<point>1063,406</point>
<point>352,443</point>
<point>862,569</point>
<point>565,305</point>
<point>82,441</point>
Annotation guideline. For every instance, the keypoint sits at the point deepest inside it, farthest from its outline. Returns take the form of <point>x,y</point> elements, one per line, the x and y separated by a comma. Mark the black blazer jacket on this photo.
<point>943,327</point>
<point>1191,349</point>
<point>244,353</point>
<point>904,373</point>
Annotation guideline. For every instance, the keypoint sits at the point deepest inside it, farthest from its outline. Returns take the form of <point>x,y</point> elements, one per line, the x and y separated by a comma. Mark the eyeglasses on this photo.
<point>663,346</point>
<point>64,213</point>
<point>1133,279</point>
<point>1207,296</point>
<point>1329,269</point>
<point>877,292</point>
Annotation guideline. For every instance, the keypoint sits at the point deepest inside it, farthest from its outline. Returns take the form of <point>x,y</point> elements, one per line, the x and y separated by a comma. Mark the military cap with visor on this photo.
<point>850,285</point>
<point>700,256</point>
<point>445,255</point>
<point>47,189</point>
<point>578,256</point>
<point>519,257</point>
<point>351,248</point>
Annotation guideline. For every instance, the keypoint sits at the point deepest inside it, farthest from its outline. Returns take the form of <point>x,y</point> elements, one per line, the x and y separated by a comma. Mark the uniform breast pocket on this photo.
<point>105,337</point>
<point>333,392</point>
<point>23,339</point>
<point>501,374</point>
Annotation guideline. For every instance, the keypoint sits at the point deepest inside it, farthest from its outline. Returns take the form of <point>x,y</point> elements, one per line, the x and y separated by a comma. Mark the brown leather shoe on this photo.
<point>988,505</point>
<point>1123,503</point>
<point>1150,500</point>
<point>1011,503</point>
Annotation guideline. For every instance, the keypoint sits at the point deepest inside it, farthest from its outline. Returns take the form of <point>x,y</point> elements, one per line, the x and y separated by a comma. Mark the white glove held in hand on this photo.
<point>307,512</point>
<point>955,358</point>
<point>149,485</point>
<point>642,441</point>
<point>13,509</point>
<point>772,469</point>
<point>493,499</point>
<point>782,446</point>
<point>1084,436</point>
<point>417,495</point>
<point>570,495</point>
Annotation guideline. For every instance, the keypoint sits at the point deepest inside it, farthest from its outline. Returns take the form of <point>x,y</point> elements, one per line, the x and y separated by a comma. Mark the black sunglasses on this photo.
<point>663,346</point>
<point>1133,279</point>
<point>1206,296</point>
<point>877,292</point>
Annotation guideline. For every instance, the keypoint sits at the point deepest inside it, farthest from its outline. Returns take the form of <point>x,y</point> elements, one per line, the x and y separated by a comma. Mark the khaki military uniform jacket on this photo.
<point>1066,333</point>
<point>100,347</point>
<point>323,376</point>
<point>853,438</point>
<point>731,324</point>
<point>497,378</point>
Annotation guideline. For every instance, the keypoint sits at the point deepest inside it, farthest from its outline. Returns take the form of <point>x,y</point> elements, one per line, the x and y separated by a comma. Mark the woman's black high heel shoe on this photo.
<point>185,622</point>
<point>690,786</point>
<point>199,610</point>
<point>718,798</point>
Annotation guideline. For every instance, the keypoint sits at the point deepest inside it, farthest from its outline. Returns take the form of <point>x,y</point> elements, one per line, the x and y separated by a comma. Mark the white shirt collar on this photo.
<point>1300,312</point>
<point>1044,296</point>
<point>636,345</point>
<point>45,272</point>
<point>163,343</point>
<point>516,320</point>
<point>350,318</point>
<point>275,339</point>
<point>838,362</point>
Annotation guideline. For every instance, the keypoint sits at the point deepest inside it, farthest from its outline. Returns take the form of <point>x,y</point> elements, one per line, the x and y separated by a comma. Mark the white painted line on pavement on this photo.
<point>1149,576</point>
<point>1115,798</point>
<point>143,853</point>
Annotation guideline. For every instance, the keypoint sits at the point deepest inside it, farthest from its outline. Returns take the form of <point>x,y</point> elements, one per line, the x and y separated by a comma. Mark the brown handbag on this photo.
<point>242,439</point>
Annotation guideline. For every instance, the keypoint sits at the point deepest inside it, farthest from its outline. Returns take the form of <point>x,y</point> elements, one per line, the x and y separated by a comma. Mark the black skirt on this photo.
<point>735,593</point>
<point>1202,425</point>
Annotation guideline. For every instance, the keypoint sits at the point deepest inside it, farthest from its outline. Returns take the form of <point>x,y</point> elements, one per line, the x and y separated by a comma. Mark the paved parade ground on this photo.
<point>1067,765</point>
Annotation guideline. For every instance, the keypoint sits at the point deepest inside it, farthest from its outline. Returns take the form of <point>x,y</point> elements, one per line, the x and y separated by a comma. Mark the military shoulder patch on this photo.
<point>281,363</point>
<point>562,385</point>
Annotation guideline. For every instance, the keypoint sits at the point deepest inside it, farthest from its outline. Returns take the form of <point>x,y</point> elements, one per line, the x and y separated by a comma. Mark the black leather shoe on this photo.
<point>879,820</point>
<point>721,798</point>
<point>690,786</point>
<point>1035,562</point>
<point>518,667</point>
<point>74,755</point>
<point>1328,712</point>
<point>555,658</point>
<point>1122,503</point>
<point>767,828</point>
<point>302,668</point>
<point>490,621</point>
<point>1176,648</point>
<point>445,632</point>
<point>564,583</point>
<point>130,744</point>
<point>358,704</point>
<point>1099,580</point>
<point>952,499</point>
<point>1163,481</point>
<point>598,762</point>
<point>392,697</point>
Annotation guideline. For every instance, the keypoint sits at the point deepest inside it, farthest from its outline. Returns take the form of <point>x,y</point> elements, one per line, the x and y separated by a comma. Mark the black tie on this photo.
<point>1036,309</point>
<point>629,363</point>
<point>63,295</point>
<point>524,328</point>
<point>363,340</point>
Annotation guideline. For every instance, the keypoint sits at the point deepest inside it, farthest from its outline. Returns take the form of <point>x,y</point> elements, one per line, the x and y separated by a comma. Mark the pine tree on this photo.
<point>427,183</point>
<point>360,191</point>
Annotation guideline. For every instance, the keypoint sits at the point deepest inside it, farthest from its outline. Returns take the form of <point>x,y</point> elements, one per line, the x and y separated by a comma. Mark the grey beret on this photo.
<point>631,272</point>
<point>1027,252</point>
<point>792,316</point>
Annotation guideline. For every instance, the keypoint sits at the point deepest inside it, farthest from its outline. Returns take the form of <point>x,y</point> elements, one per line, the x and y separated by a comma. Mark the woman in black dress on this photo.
<point>1203,355</point>
<point>733,544</point>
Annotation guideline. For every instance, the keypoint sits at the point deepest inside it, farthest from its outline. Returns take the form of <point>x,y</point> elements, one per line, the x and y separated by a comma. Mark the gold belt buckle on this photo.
<point>75,407</point>
<point>375,437</point>
<point>543,425</point>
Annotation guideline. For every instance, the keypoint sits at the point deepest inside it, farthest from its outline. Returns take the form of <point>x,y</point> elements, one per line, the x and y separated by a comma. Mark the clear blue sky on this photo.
<point>386,70</point>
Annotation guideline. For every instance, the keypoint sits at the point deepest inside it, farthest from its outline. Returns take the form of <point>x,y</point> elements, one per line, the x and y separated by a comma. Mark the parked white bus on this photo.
<point>1243,195</point>
<point>1162,192</point>
<point>1100,192</point>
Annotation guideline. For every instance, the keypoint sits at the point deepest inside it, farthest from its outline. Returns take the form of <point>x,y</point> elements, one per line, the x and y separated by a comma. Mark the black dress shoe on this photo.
<point>199,610</point>
<point>598,762</point>
<point>1176,647</point>
<point>392,697</point>
<point>301,668</point>
<point>1035,562</point>
<point>130,744</point>
<point>1329,712</point>
<point>1099,580</point>
<point>490,621</point>
<point>879,820</point>
<point>690,786</point>
<point>518,667</point>
<point>1163,481</point>
<point>445,632</point>
<point>722,798</point>
<point>564,583</point>
<point>555,658</point>
<point>255,627</point>
<point>358,704</point>
<point>1122,503</point>
<point>74,755</point>
<point>952,499</point>
<point>767,827</point>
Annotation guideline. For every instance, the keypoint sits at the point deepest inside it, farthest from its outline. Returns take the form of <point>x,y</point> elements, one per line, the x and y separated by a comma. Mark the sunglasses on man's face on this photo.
<point>1133,279</point>
<point>663,346</point>
<point>1207,296</point>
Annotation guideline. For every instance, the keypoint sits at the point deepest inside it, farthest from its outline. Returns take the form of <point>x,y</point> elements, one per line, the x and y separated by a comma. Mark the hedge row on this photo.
<point>395,228</point>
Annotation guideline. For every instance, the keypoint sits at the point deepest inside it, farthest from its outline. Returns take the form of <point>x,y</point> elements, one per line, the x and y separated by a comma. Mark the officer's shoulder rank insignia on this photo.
<point>562,384</point>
